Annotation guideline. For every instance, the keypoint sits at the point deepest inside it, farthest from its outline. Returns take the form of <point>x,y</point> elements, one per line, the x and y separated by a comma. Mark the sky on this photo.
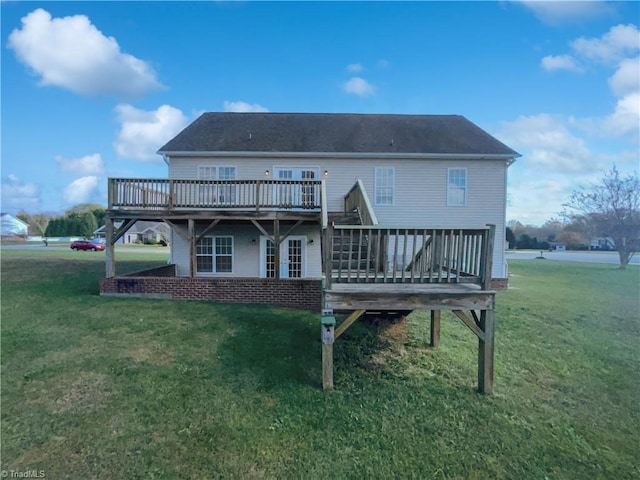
<point>91,90</point>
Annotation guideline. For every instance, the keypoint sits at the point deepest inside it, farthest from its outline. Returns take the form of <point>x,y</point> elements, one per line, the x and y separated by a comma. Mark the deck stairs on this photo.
<point>346,253</point>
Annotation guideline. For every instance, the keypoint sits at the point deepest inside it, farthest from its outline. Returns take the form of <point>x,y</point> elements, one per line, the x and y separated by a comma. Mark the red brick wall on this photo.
<point>297,293</point>
<point>499,283</point>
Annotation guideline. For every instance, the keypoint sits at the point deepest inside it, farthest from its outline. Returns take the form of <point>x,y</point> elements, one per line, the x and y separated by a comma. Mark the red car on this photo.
<point>86,245</point>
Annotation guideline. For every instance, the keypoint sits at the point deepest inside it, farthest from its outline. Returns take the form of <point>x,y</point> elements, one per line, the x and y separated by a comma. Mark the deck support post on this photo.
<point>110,260</point>
<point>276,248</point>
<point>328,322</point>
<point>485,351</point>
<point>192,248</point>
<point>435,328</point>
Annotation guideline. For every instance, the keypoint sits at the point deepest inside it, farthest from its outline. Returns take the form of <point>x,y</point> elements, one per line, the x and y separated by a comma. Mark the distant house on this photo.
<point>12,227</point>
<point>602,244</point>
<point>557,246</point>
<point>141,232</point>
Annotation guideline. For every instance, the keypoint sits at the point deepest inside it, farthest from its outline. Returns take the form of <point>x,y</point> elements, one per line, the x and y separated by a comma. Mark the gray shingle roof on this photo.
<point>335,133</point>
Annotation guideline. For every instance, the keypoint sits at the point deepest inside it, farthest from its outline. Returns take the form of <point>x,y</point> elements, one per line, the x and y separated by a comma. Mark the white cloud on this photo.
<point>243,107</point>
<point>559,12</point>
<point>534,200</point>
<point>358,86</point>
<point>625,120</point>
<point>626,80</point>
<point>87,165</point>
<point>81,190</point>
<point>548,143</point>
<point>382,63</point>
<point>18,195</point>
<point>618,48</point>
<point>70,52</point>
<point>142,132</point>
<point>556,160</point>
<point>560,62</point>
<point>619,42</point>
<point>354,67</point>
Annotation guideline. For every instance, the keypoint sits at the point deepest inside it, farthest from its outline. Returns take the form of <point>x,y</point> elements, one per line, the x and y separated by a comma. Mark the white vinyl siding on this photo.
<point>457,187</point>
<point>385,184</point>
<point>420,198</point>
<point>214,255</point>
<point>247,260</point>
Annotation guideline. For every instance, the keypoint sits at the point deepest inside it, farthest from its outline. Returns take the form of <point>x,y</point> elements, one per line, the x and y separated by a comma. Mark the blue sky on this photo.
<point>91,90</point>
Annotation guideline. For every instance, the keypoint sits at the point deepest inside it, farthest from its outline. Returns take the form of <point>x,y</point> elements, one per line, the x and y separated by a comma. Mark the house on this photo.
<point>557,247</point>
<point>12,227</point>
<point>602,244</point>
<point>141,232</point>
<point>326,212</point>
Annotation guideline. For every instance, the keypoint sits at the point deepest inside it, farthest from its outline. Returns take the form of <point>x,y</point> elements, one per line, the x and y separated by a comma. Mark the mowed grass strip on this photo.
<point>97,387</point>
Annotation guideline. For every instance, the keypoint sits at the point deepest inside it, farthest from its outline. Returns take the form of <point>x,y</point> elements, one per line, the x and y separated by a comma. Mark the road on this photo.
<point>585,257</point>
<point>53,246</point>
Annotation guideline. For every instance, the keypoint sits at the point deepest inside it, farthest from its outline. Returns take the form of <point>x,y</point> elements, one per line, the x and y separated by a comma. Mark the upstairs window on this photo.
<point>457,187</point>
<point>213,195</point>
<point>385,185</point>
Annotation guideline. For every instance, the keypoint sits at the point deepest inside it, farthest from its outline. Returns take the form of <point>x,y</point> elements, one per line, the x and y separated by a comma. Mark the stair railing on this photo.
<point>357,200</point>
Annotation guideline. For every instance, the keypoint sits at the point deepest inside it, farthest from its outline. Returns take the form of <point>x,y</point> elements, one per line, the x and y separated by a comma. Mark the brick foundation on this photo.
<point>499,283</point>
<point>296,293</point>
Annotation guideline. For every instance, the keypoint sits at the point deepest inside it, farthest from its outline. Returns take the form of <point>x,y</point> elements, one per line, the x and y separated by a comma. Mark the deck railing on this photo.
<point>168,194</point>
<point>369,254</point>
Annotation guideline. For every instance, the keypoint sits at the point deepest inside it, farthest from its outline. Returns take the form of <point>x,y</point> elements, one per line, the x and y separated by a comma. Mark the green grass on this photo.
<point>98,387</point>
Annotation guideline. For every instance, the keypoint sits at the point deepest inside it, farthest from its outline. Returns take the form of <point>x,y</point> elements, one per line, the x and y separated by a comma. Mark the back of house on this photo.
<point>415,170</point>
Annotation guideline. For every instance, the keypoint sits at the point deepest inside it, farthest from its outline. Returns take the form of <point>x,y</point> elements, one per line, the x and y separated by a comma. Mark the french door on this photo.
<point>292,257</point>
<point>296,194</point>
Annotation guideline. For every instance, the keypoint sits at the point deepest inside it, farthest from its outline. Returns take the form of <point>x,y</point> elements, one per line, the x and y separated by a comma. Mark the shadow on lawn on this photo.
<point>271,347</point>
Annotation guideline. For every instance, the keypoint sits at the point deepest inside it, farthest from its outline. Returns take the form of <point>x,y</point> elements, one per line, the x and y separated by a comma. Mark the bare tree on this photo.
<point>611,208</point>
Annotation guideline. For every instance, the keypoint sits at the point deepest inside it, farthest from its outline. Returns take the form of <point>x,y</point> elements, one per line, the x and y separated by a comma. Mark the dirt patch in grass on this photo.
<point>393,339</point>
<point>55,460</point>
<point>154,354</point>
<point>86,393</point>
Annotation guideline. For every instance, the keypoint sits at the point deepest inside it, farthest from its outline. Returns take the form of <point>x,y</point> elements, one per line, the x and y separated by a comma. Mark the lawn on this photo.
<point>98,387</point>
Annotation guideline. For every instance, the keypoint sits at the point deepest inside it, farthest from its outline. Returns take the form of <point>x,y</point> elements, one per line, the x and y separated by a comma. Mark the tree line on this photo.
<point>79,221</point>
<point>609,208</point>
<point>573,235</point>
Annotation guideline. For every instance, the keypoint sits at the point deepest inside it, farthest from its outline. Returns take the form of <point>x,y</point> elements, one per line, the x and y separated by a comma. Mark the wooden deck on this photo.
<point>376,268</point>
<point>366,267</point>
<point>222,195</point>
<point>407,296</point>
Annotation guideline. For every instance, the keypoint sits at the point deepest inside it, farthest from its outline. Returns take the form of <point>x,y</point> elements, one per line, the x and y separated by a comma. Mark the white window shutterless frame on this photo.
<point>456,187</point>
<point>384,186</point>
<point>217,195</point>
<point>214,254</point>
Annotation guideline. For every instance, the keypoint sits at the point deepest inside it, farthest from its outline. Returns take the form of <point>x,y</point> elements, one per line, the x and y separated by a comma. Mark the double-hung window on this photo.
<point>385,185</point>
<point>457,187</point>
<point>214,255</point>
<point>216,194</point>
